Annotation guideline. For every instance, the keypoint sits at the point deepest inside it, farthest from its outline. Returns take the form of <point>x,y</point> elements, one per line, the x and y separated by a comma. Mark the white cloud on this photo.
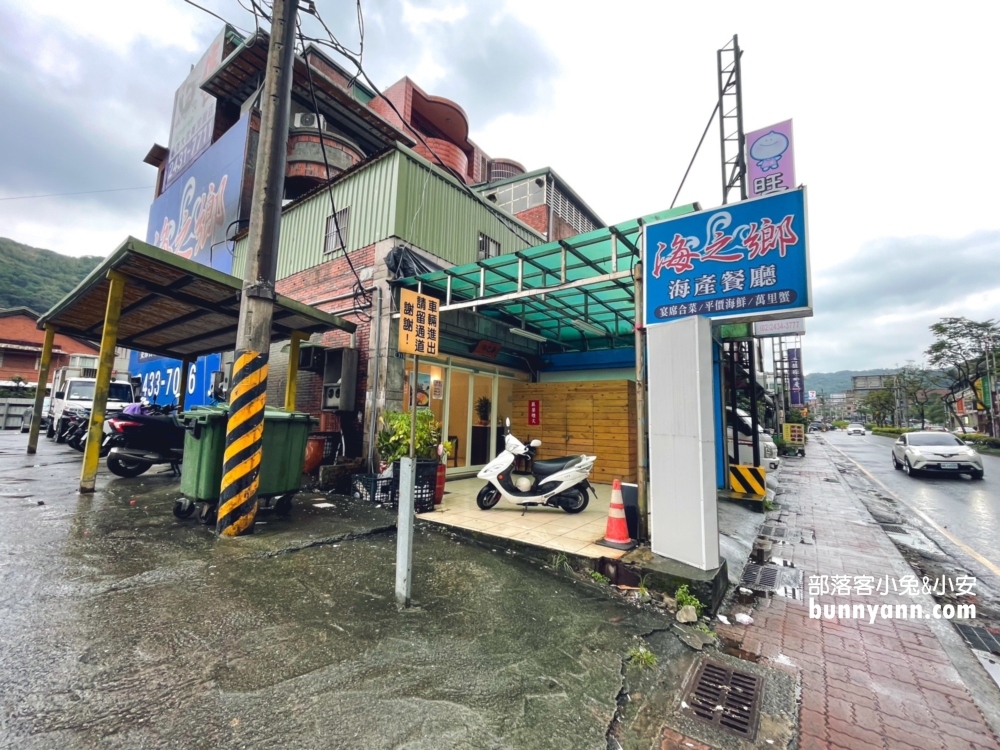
<point>890,124</point>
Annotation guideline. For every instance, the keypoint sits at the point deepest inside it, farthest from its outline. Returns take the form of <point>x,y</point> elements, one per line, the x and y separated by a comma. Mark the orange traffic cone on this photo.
<point>616,535</point>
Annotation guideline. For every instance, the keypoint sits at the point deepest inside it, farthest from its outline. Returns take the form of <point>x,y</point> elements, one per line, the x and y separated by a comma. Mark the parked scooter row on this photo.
<point>143,436</point>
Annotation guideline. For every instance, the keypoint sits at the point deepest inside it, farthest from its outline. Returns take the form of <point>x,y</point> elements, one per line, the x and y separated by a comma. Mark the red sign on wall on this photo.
<point>534,413</point>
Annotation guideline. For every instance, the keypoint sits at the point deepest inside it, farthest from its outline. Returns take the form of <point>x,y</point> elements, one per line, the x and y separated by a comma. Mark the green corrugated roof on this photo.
<point>596,287</point>
<point>173,306</point>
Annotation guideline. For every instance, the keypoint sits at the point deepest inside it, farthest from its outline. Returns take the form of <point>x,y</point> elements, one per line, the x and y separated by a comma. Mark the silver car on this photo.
<point>935,452</point>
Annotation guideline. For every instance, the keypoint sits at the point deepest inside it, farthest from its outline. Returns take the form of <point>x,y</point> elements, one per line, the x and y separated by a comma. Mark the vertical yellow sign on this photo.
<point>419,317</point>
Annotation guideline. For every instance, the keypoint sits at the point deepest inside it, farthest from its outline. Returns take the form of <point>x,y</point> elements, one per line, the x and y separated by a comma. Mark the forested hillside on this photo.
<point>838,382</point>
<point>36,278</point>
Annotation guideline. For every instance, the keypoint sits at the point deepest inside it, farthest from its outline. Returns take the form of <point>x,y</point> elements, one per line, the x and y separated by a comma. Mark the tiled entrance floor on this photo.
<point>551,528</point>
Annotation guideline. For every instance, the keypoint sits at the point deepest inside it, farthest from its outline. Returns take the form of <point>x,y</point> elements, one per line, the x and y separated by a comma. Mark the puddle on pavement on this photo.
<point>729,646</point>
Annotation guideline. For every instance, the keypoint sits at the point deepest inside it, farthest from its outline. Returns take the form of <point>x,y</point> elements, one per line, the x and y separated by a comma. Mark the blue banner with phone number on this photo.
<point>161,378</point>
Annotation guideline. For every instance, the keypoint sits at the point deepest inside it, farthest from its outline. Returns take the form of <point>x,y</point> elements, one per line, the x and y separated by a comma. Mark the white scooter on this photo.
<point>556,482</point>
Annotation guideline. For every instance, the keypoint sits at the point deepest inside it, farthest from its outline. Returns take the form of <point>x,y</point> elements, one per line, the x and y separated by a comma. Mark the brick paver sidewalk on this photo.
<point>883,685</point>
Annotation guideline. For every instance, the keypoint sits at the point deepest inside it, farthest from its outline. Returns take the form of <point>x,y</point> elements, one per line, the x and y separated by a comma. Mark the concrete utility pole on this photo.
<point>245,429</point>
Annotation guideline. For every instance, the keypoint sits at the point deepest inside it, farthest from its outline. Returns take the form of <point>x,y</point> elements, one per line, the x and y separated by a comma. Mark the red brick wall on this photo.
<point>328,287</point>
<point>22,330</point>
<point>448,152</point>
<point>536,218</point>
<point>401,95</point>
<point>317,170</point>
<point>562,230</point>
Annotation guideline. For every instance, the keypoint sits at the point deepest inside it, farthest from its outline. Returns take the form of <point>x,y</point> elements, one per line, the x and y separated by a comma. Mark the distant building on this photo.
<point>21,348</point>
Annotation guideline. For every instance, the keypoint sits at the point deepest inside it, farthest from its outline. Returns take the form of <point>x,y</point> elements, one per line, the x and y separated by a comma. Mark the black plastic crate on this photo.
<point>426,482</point>
<point>331,446</point>
<point>373,489</point>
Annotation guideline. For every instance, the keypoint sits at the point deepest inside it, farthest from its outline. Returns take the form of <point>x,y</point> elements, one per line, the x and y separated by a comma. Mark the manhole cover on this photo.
<point>760,577</point>
<point>726,698</point>
<point>893,528</point>
<point>980,638</point>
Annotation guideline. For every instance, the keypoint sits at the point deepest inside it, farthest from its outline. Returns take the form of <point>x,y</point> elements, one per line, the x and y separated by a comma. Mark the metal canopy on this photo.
<point>577,293</point>
<point>173,306</point>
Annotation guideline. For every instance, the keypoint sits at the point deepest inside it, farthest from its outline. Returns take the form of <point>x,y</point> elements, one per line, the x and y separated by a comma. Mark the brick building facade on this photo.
<point>21,347</point>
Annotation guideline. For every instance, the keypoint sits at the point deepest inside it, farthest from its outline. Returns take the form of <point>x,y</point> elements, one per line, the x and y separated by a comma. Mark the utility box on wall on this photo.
<point>340,379</point>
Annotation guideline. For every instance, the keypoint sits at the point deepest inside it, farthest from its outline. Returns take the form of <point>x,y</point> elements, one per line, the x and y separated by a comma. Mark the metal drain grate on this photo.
<point>726,698</point>
<point>777,532</point>
<point>980,638</point>
<point>760,577</point>
<point>893,528</point>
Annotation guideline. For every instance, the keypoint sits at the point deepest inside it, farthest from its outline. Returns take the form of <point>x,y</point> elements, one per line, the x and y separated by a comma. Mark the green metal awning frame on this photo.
<point>173,306</point>
<point>577,293</point>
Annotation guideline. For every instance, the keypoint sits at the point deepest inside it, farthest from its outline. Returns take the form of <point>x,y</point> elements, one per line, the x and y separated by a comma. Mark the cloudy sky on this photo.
<point>892,103</point>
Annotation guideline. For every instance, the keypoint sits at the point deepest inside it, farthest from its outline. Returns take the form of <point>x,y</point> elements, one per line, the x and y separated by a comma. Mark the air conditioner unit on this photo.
<point>340,378</point>
<point>309,121</point>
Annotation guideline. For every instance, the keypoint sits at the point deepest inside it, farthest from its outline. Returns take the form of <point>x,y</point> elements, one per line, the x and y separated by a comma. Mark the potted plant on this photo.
<point>484,408</point>
<point>393,440</point>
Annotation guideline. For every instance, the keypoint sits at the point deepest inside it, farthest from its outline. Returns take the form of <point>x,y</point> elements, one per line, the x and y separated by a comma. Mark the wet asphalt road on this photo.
<point>123,627</point>
<point>968,510</point>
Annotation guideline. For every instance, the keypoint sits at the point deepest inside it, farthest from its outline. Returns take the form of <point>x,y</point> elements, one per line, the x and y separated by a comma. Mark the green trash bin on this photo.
<point>282,454</point>
<point>204,448</point>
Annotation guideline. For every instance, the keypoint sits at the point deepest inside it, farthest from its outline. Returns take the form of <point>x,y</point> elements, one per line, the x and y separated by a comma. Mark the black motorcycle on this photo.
<point>78,427</point>
<point>135,442</point>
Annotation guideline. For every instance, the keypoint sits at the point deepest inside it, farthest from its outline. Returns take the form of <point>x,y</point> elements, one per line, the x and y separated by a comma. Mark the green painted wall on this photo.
<point>398,195</point>
<point>370,193</point>
<point>434,213</point>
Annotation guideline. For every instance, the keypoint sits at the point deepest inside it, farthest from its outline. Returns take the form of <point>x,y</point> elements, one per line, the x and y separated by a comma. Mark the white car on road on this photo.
<point>935,452</point>
<point>855,429</point>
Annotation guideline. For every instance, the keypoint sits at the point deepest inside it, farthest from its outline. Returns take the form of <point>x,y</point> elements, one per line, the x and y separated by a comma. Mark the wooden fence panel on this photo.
<point>596,418</point>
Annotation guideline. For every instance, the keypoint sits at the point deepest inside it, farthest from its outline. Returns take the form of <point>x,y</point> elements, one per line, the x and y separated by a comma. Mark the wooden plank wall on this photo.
<point>594,418</point>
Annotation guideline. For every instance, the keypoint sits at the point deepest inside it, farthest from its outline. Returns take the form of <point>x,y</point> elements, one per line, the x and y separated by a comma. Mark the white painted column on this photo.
<point>684,521</point>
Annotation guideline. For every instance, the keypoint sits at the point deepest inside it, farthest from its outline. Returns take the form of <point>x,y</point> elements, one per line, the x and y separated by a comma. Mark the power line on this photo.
<point>359,287</point>
<point>212,13</point>
<point>508,221</point>
<point>82,192</point>
<point>695,155</point>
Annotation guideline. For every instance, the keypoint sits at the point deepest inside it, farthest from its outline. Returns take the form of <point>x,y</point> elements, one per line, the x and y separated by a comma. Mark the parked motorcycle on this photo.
<point>74,427</point>
<point>78,429</point>
<point>136,441</point>
<point>556,482</point>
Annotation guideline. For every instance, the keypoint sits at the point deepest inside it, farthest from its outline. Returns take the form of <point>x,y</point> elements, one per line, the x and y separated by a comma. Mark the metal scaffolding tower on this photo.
<point>734,164</point>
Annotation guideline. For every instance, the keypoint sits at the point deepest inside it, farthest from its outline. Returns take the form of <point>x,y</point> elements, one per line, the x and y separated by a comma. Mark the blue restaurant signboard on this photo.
<point>747,261</point>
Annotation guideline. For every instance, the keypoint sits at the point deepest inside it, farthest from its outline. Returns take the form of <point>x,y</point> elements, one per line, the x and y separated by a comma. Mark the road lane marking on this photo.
<point>943,531</point>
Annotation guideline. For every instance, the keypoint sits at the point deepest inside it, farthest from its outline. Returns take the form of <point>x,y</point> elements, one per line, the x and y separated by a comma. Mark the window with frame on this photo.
<point>488,247</point>
<point>332,240</point>
<point>82,361</point>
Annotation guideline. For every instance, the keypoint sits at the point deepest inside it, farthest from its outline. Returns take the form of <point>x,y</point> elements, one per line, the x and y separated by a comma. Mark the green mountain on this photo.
<point>35,278</point>
<point>838,382</point>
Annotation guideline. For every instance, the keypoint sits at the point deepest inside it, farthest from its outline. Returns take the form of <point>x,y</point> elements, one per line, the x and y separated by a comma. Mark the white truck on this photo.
<point>768,449</point>
<point>72,393</point>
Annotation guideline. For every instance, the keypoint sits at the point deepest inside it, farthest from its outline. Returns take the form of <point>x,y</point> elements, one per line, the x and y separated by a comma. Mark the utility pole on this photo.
<point>245,430</point>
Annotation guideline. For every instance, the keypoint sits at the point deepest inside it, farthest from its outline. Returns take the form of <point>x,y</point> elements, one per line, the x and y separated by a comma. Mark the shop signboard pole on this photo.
<point>418,334</point>
<point>740,263</point>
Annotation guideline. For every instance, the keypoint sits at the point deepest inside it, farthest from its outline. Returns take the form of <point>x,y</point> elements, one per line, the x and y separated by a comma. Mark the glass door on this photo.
<point>483,427</point>
<point>458,414</point>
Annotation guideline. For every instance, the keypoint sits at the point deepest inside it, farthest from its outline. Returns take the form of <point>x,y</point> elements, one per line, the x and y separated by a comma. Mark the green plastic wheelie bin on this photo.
<point>282,457</point>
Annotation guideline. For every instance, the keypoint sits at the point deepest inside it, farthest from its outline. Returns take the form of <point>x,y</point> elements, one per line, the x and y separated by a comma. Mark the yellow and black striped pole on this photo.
<point>244,439</point>
<point>245,428</point>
